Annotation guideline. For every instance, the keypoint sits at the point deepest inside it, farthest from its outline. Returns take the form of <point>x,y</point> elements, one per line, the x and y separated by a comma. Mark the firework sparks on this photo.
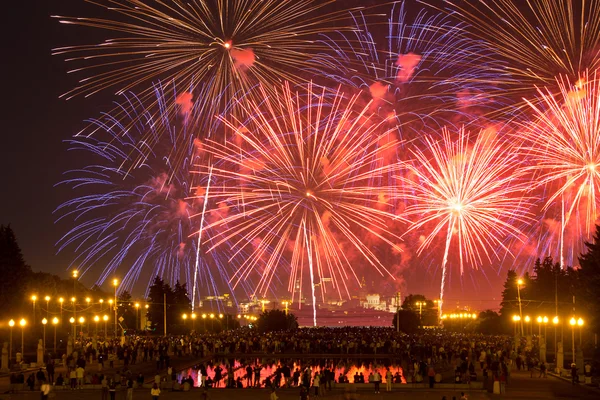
<point>229,44</point>
<point>299,175</point>
<point>426,72</point>
<point>141,217</point>
<point>562,148</point>
<point>540,39</point>
<point>471,193</point>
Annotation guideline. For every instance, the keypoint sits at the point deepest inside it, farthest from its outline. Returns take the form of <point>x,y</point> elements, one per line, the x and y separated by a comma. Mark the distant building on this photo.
<point>373,302</point>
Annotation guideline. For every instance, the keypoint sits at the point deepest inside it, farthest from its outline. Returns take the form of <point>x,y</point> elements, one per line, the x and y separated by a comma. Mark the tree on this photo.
<point>15,272</point>
<point>126,310</point>
<point>276,320</point>
<point>409,321</point>
<point>426,309</point>
<point>155,312</point>
<point>588,279</point>
<point>488,322</point>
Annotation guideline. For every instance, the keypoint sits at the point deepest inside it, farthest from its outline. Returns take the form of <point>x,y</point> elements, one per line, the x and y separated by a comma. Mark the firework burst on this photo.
<point>540,39</point>
<point>304,179</point>
<point>562,148</point>
<point>424,73</point>
<point>141,216</point>
<point>229,45</point>
<point>467,190</point>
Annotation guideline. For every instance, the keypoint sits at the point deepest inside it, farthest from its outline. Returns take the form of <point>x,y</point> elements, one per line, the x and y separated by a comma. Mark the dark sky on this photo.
<point>36,122</point>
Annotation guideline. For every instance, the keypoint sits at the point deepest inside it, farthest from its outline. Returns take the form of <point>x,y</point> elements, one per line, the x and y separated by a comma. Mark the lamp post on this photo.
<point>555,322</point>
<point>193,321</point>
<point>81,322</point>
<point>116,285</point>
<point>105,318</point>
<point>184,316</point>
<point>519,283</point>
<point>420,304</point>
<point>61,300</point>
<point>75,274</point>
<point>529,329</point>
<point>286,303</point>
<point>11,323</point>
<point>47,298</point>
<point>137,309</point>
<point>204,321</point>
<point>96,320</point>
<point>212,326</point>
<point>101,301</point>
<point>22,322</point>
<point>516,320</point>
<point>33,299</point>
<point>580,324</point>
<point>54,322</point>
<point>573,322</point>
<point>72,321</point>
<point>74,301</point>
<point>44,322</point>
<point>545,321</point>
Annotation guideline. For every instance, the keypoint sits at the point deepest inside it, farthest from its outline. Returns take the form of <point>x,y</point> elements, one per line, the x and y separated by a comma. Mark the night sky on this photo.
<point>36,123</point>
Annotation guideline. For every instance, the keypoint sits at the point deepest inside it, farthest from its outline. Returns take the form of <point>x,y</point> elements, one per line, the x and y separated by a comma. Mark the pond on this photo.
<point>267,369</point>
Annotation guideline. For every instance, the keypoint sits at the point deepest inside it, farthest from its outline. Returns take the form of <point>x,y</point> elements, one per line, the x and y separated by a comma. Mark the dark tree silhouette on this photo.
<point>409,321</point>
<point>15,272</point>
<point>276,320</point>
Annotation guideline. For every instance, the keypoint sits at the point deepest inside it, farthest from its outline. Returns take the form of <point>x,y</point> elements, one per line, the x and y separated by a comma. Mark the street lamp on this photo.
<point>54,322</point>
<point>105,318</point>
<point>420,304</point>
<point>212,326</point>
<point>286,303</point>
<point>580,324</point>
<point>184,316</point>
<point>44,322</point>
<point>193,321</point>
<point>527,320</point>
<point>137,309</point>
<point>33,299</point>
<point>116,285</point>
<point>516,319</point>
<point>47,298</point>
<point>204,321</point>
<point>75,275</point>
<point>101,304</point>
<point>22,322</point>
<point>519,283</point>
<point>96,320</point>
<point>11,323</point>
<point>573,322</point>
<point>61,300</point>
<point>72,321</point>
<point>74,301</point>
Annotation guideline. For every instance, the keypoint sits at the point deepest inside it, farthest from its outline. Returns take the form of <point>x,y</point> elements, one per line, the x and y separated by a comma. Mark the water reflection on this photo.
<point>267,369</point>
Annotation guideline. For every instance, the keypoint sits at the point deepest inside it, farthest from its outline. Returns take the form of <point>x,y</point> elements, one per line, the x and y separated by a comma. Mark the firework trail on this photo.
<point>141,217</point>
<point>540,39</point>
<point>562,148</point>
<point>424,73</point>
<point>469,190</point>
<point>297,175</point>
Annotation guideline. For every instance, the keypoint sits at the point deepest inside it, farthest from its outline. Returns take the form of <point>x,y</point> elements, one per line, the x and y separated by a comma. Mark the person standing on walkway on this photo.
<point>154,392</point>
<point>129,389</point>
<point>431,375</point>
<point>317,383</point>
<point>79,372</point>
<point>45,390</point>
<point>376,380</point>
<point>112,390</point>
<point>104,384</point>
<point>388,380</point>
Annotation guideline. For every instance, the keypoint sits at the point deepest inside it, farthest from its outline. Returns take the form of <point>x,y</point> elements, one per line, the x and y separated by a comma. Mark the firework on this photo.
<point>230,45</point>
<point>562,148</point>
<point>302,179</point>
<point>424,73</point>
<point>540,39</point>
<point>468,192</point>
<point>141,216</point>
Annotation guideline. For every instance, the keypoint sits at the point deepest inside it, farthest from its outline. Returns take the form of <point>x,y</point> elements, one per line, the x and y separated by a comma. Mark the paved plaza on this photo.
<point>521,386</point>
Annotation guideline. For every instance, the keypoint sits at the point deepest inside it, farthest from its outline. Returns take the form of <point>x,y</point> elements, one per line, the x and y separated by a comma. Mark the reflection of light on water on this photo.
<point>269,369</point>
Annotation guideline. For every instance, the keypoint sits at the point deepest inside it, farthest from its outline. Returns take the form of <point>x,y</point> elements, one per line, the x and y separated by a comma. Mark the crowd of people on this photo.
<point>422,357</point>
